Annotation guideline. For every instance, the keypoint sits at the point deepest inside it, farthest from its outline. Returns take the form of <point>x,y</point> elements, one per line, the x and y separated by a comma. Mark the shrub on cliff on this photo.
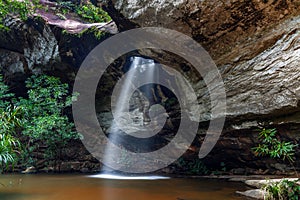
<point>270,145</point>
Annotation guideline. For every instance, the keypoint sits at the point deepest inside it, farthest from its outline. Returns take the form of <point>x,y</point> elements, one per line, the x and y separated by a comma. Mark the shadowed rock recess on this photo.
<point>255,45</point>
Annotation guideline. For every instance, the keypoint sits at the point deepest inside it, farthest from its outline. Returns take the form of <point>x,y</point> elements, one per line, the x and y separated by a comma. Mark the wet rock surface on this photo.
<point>255,45</point>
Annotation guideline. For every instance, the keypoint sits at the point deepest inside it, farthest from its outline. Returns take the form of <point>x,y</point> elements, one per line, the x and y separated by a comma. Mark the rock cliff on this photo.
<point>255,45</point>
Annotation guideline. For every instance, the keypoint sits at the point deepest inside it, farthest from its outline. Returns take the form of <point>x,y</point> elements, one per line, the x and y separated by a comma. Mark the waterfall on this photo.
<point>130,109</point>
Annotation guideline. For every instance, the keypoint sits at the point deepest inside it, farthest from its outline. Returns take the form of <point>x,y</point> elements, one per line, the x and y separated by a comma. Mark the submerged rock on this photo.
<point>29,170</point>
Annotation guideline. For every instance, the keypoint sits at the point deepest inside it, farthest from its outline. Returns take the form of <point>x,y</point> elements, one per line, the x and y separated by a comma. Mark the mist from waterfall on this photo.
<point>140,70</point>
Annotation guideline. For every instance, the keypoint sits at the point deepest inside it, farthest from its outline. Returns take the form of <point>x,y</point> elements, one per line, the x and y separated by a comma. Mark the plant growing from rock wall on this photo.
<point>273,147</point>
<point>86,11</point>
<point>98,34</point>
<point>92,13</point>
<point>45,123</point>
<point>282,190</point>
<point>14,7</point>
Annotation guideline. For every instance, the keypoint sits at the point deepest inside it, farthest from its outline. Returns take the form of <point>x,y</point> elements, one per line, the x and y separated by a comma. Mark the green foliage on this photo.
<point>221,170</point>
<point>86,11</point>
<point>5,95</point>
<point>92,13</point>
<point>14,7</point>
<point>193,167</point>
<point>92,30</point>
<point>9,122</point>
<point>96,32</point>
<point>273,147</point>
<point>282,190</point>
<point>10,119</point>
<point>44,122</point>
<point>40,117</point>
<point>24,8</point>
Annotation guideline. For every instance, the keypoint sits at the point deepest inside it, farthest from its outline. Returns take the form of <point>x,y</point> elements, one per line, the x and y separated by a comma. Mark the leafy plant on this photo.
<point>8,146</point>
<point>86,11</point>
<point>45,122</point>
<point>14,7</point>
<point>274,147</point>
<point>9,122</point>
<point>25,8</point>
<point>193,167</point>
<point>5,95</point>
<point>222,169</point>
<point>98,34</point>
<point>92,13</point>
<point>6,149</point>
<point>282,190</point>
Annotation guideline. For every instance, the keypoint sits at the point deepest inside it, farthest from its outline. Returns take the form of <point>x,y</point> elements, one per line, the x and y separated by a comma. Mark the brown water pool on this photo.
<point>79,187</point>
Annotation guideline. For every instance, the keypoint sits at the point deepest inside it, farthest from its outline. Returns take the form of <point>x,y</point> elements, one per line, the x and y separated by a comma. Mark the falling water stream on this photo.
<point>132,110</point>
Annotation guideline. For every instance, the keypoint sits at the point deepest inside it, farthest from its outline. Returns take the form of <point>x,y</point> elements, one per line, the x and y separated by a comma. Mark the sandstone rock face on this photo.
<point>258,58</point>
<point>255,45</point>
<point>267,84</point>
<point>218,25</point>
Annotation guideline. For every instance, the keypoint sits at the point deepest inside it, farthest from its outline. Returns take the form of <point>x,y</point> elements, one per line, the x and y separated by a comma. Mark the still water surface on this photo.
<point>79,187</point>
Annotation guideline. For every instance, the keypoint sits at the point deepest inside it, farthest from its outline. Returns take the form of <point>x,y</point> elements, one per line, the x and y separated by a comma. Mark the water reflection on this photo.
<point>78,187</point>
<point>120,177</point>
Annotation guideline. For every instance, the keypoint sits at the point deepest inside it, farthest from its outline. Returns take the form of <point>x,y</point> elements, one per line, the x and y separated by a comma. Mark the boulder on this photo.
<point>27,47</point>
<point>252,194</point>
<point>260,183</point>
